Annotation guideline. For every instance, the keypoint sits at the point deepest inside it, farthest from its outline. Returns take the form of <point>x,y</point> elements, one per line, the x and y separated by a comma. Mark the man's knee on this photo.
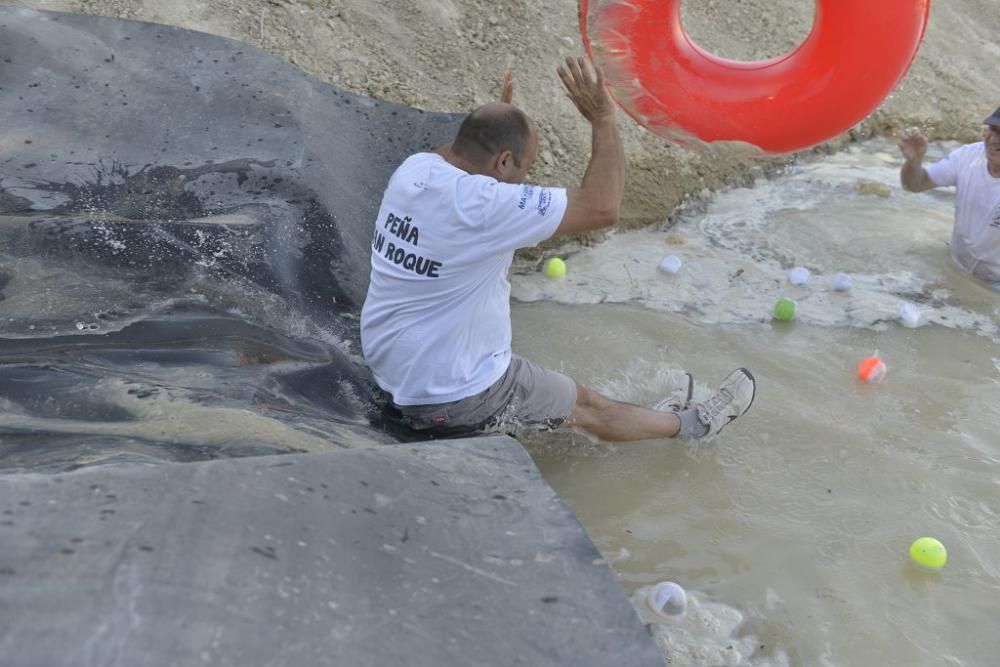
<point>589,405</point>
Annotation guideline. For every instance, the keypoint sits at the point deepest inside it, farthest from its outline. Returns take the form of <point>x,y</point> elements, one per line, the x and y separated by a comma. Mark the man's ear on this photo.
<point>505,161</point>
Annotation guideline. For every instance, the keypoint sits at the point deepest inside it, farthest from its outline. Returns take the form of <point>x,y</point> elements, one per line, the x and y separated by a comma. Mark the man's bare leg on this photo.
<point>623,422</point>
<point>620,422</point>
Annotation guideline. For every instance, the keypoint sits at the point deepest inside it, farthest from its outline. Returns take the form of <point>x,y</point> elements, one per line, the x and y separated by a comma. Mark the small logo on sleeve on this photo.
<point>544,200</point>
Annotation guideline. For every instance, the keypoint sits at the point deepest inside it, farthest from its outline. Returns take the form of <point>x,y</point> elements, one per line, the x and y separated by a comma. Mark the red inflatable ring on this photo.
<point>856,53</point>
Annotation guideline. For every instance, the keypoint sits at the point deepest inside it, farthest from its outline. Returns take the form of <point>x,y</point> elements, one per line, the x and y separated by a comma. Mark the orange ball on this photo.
<point>872,369</point>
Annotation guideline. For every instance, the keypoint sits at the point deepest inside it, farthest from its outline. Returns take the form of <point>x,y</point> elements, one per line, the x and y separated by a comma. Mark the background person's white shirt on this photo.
<point>435,326</point>
<point>975,240</point>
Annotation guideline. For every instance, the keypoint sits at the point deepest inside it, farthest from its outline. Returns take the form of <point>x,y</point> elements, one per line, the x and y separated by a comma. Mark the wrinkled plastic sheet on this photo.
<point>176,206</point>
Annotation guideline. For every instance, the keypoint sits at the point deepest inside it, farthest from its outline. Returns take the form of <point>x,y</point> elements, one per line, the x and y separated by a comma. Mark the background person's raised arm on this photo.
<point>913,144</point>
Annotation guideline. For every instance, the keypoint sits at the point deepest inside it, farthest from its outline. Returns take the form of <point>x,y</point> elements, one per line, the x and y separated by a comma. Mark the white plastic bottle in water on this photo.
<point>841,283</point>
<point>670,264</point>
<point>667,598</point>
<point>909,315</point>
<point>799,275</point>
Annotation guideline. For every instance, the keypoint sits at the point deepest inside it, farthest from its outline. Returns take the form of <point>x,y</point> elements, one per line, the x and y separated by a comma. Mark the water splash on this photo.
<point>707,634</point>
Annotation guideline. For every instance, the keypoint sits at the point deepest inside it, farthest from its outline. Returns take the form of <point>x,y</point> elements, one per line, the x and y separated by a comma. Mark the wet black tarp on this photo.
<point>184,243</point>
<point>190,206</point>
<point>452,553</point>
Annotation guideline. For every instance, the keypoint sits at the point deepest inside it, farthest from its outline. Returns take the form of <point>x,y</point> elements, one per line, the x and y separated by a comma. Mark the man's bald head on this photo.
<point>491,129</point>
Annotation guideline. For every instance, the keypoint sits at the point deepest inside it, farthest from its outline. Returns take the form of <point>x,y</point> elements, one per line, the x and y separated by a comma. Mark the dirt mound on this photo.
<point>449,55</point>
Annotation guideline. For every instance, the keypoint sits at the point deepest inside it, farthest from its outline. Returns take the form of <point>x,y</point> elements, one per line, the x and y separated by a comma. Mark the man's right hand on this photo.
<point>912,175</point>
<point>587,91</point>
<point>913,144</point>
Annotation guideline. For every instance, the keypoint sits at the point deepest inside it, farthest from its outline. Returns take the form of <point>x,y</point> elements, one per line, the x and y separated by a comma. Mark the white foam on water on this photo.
<point>707,634</point>
<point>843,216</point>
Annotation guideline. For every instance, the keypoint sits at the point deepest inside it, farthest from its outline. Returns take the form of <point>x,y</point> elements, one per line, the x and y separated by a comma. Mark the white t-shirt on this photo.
<point>975,241</point>
<point>435,326</point>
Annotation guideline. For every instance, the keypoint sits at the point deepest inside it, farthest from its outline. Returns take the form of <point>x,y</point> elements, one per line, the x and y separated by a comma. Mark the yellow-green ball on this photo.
<point>785,309</point>
<point>928,553</point>
<point>555,268</point>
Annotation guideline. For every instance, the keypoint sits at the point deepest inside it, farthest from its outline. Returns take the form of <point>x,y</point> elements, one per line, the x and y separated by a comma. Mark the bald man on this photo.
<point>435,326</point>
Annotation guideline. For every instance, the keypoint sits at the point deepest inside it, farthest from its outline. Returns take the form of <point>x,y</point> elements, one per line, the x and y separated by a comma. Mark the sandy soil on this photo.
<point>448,55</point>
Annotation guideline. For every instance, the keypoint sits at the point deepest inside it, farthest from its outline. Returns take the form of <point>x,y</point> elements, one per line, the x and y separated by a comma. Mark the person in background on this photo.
<point>974,170</point>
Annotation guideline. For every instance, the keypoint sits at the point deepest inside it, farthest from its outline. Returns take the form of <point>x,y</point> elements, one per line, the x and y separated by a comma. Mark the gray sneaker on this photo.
<point>679,398</point>
<point>733,397</point>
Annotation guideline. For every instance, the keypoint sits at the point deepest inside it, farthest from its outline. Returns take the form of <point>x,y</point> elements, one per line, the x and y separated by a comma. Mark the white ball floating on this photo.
<point>799,275</point>
<point>841,283</point>
<point>667,598</point>
<point>909,315</point>
<point>670,264</point>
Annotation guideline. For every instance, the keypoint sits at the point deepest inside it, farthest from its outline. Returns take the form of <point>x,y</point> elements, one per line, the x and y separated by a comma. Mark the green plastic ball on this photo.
<point>555,268</point>
<point>784,309</point>
<point>928,553</point>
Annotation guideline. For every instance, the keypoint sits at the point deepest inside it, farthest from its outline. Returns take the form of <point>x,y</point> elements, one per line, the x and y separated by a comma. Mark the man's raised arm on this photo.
<point>597,202</point>
<point>912,175</point>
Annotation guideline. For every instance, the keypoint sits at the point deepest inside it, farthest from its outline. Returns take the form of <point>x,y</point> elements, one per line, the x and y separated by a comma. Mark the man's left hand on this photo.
<point>507,93</point>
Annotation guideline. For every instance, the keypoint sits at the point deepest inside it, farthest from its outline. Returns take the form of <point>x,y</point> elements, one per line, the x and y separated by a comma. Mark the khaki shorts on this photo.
<point>526,395</point>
